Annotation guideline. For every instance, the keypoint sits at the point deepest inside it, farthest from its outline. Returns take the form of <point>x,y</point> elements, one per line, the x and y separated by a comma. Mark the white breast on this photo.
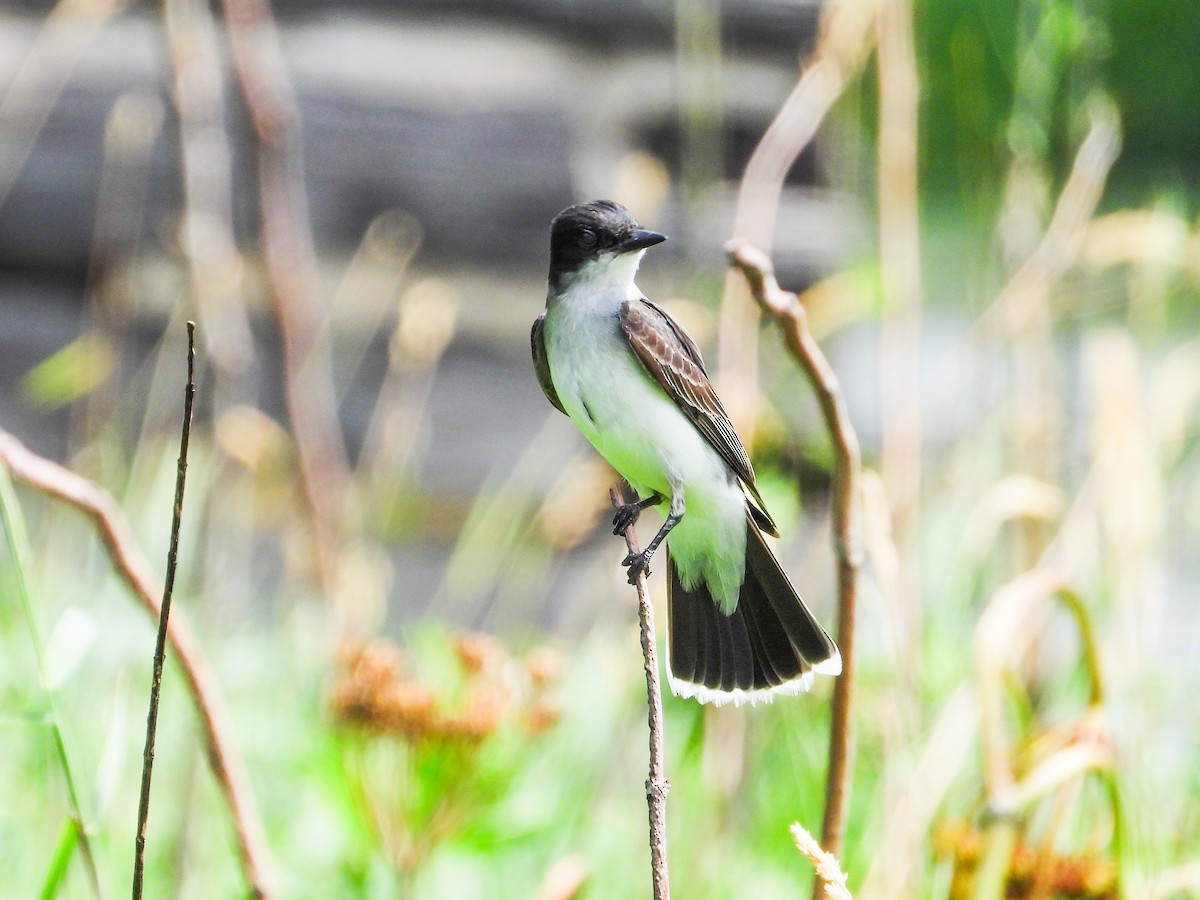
<point>640,431</point>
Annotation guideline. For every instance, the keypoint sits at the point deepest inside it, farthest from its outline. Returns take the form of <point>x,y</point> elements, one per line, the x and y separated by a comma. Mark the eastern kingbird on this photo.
<point>634,383</point>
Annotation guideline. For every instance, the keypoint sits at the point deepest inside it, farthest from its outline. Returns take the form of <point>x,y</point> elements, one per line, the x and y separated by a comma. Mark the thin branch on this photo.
<point>843,45</point>
<point>127,558</point>
<point>657,785</point>
<point>789,315</point>
<point>160,645</point>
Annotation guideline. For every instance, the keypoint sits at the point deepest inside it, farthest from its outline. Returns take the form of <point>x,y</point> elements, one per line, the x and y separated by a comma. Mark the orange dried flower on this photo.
<point>484,711</point>
<point>541,717</point>
<point>409,708</point>
<point>477,651</point>
<point>1084,876</point>
<point>370,694</point>
<point>372,662</point>
<point>544,665</point>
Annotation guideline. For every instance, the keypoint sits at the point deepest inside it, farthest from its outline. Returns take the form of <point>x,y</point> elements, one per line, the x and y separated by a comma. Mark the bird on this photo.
<point>635,384</point>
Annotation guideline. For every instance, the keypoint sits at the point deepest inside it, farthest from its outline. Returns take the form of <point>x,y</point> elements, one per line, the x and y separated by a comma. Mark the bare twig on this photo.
<point>789,315</point>
<point>657,785</point>
<point>114,531</point>
<point>164,612</point>
<point>844,43</point>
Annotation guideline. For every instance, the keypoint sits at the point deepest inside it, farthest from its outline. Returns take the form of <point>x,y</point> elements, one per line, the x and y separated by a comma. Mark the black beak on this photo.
<point>640,240</point>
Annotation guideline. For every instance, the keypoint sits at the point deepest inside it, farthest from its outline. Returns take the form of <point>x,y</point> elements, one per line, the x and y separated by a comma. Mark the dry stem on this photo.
<point>207,240</point>
<point>843,44</point>
<point>789,315</point>
<point>160,646</point>
<point>657,785</point>
<point>291,270</point>
<point>1030,285</point>
<point>114,531</point>
<point>900,324</point>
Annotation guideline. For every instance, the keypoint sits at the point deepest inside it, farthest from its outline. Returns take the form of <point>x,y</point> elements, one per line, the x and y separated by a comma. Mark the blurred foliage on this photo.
<point>70,373</point>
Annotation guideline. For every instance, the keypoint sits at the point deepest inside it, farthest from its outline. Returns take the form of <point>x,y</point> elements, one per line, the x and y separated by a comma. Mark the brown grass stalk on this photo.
<point>845,40</point>
<point>843,43</point>
<point>1029,287</point>
<point>900,323</point>
<point>130,562</point>
<point>214,265</point>
<point>785,308</point>
<point>1008,626</point>
<point>39,78</point>
<point>1004,631</point>
<point>291,273</point>
<point>657,785</point>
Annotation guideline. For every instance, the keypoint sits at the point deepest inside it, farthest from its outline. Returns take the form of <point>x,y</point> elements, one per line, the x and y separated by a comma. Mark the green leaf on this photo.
<point>72,372</point>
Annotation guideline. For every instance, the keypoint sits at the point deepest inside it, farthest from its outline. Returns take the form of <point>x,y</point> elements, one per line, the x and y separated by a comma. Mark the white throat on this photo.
<point>610,276</point>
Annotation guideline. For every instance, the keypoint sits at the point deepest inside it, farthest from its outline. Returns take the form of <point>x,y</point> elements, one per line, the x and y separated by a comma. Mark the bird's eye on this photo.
<point>588,239</point>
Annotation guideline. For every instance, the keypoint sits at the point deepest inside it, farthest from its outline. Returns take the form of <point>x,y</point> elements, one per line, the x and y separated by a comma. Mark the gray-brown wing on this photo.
<point>685,339</point>
<point>673,360</point>
<point>541,366</point>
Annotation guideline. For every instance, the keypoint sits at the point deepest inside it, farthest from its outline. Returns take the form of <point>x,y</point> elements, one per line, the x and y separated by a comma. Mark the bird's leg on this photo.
<point>639,563</point>
<point>627,513</point>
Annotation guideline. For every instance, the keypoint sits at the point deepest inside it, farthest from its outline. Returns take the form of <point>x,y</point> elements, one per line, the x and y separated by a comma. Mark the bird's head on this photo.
<point>598,239</point>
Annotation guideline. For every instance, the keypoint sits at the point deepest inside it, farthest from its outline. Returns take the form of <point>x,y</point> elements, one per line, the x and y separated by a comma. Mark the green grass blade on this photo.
<point>17,539</point>
<point>68,839</point>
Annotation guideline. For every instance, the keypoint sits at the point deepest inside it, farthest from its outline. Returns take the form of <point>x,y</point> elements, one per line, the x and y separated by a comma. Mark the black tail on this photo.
<point>770,644</point>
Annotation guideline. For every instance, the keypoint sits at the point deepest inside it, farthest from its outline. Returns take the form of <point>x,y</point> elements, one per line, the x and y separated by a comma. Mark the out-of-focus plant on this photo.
<point>1040,796</point>
<point>431,740</point>
<point>1033,871</point>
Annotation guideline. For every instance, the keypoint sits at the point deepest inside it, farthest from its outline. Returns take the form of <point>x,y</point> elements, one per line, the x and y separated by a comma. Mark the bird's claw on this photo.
<point>626,515</point>
<point>638,563</point>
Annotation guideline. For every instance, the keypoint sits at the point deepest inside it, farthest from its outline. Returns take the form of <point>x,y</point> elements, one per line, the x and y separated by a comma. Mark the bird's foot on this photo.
<point>627,513</point>
<point>638,563</point>
<point>625,517</point>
